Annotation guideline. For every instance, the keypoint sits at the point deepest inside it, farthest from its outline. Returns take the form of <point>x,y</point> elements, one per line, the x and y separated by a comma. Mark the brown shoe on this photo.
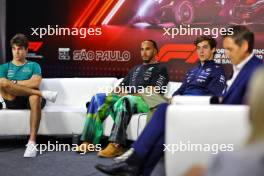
<point>111,151</point>
<point>85,147</point>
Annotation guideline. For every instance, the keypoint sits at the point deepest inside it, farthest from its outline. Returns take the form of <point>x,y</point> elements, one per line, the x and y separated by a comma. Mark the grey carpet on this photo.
<point>12,163</point>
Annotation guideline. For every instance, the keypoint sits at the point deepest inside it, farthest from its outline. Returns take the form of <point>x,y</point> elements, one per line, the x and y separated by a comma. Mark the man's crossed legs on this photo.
<point>12,93</point>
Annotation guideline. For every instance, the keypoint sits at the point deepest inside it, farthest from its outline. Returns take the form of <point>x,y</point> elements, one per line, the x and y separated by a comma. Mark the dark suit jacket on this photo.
<point>236,93</point>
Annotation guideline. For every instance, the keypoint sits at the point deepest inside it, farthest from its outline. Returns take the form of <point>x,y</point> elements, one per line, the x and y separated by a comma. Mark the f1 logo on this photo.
<point>34,46</point>
<point>178,51</point>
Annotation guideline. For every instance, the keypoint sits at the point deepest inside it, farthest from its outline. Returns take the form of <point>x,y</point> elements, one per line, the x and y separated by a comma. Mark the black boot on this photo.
<point>129,167</point>
<point>122,169</point>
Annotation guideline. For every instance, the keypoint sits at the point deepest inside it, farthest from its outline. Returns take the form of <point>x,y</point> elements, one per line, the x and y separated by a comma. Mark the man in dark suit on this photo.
<point>239,48</point>
<point>148,149</point>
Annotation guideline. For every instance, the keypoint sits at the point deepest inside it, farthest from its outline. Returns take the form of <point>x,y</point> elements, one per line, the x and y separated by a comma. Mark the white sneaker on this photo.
<point>31,150</point>
<point>49,95</point>
<point>124,156</point>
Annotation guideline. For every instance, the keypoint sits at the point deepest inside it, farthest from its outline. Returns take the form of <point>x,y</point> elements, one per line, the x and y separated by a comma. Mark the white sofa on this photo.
<point>67,114</point>
<point>202,124</point>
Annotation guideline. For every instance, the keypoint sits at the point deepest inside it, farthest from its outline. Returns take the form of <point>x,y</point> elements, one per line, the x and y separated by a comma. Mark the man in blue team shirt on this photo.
<point>207,78</point>
<point>19,84</point>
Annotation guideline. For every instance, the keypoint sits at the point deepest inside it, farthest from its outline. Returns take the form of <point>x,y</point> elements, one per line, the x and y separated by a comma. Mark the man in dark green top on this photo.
<point>19,87</point>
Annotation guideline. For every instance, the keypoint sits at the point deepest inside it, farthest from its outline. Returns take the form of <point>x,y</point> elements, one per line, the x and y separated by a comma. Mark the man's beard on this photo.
<point>146,61</point>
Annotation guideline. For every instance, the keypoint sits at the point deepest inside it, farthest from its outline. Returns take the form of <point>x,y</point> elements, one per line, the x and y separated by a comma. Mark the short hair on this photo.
<point>20,40</point>
<point>153,43</point>
<point>212,42</point>
<point>240,34</point>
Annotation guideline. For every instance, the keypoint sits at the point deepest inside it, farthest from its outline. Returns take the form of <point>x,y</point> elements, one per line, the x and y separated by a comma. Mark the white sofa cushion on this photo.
<point>117,82</point>
<point>192,100</point>
<point>54,121</point>
<point>200,124</point>
<point>59,121</point>
<point>172,87</point>
<point>76,91</point>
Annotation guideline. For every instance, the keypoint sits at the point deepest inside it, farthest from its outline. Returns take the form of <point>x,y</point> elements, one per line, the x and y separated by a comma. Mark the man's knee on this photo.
<point>4,83</point>
<point>34,99</point>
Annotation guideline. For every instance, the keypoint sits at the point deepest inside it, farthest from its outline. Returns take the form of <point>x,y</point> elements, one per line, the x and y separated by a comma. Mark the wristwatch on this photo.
<point>14,81</point>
